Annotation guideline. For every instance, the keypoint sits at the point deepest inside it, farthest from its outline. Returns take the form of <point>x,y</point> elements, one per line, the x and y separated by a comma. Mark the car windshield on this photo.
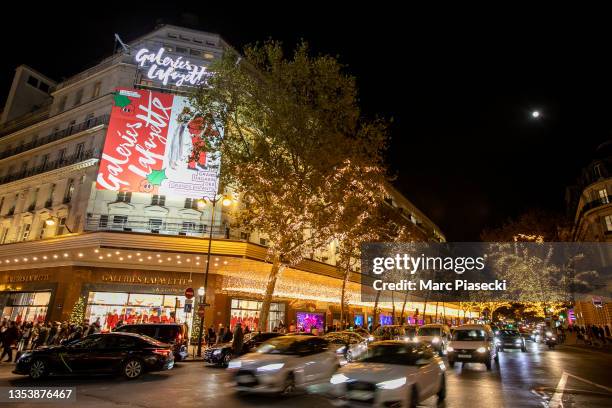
<point>469,335</point>
<point>429,331</point>
<point>509,333</point>
<point>402,354</point>
<point>279,345</point>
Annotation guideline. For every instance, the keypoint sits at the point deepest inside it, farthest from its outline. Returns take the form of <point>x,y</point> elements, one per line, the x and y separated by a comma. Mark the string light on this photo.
<point>121,258</point>
<point>140,260</point>
<point>101,257</point>
<point>96,250</point>
<point>117,252</point>
<point>55,256</point>
<point>137,253</point>
<point>45,257</point>
<point>65,255</point>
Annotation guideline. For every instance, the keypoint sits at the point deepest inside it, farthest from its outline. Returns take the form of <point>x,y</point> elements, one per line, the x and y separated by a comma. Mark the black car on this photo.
<point>174,334</point>
<point>221,354</point>
<point>510,339</point>
<point>106,353</point>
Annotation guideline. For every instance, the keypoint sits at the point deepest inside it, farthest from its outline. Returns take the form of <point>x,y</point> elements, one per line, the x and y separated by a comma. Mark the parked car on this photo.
<point>436,335</point>
<point>221,354</point>
<point>111,353</point>
<point>285,363</point>
<point>395,332</point>
<point>472,343</point>
<point>174,334</point>
<point>349,345</point>
<point>510,339</point>
<point>391,374</point>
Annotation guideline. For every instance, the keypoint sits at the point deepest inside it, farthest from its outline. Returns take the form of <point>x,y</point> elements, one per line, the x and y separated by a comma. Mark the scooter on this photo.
<point>550,341</point>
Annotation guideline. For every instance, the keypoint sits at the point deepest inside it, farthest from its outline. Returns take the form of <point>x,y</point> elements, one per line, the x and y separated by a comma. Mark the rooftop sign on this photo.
<point>169,70</point>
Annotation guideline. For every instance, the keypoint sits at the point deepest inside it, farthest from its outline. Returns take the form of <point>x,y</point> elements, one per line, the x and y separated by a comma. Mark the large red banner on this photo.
<point>148,149</point>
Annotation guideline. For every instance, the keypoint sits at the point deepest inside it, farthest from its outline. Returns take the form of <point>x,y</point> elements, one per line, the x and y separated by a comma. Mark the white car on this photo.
<point>282,364</point>
<point>349,345</point>
<point>392,373</point>
<point>437,335</point>
<point>472,343</point>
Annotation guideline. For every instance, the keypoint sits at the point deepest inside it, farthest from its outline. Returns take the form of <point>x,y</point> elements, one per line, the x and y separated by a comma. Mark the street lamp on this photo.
<point>51,222</point>
<point>225,201</point>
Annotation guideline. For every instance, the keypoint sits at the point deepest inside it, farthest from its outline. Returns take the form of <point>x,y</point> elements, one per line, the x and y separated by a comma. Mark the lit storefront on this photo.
<point>25,306</point>
<point>246,312</point>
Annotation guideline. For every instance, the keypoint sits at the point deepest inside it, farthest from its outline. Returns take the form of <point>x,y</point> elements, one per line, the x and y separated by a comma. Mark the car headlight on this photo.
<point>24,356</point>
<point>435,340</point>
<point>392,384</point>
<point>235,364</point>
<point>338,379</point>
<point>341,349</point>
<point>449,348</point>
<point>270,367</point>
<point>481,350</point>
<point>518,342</point>
<point>371,338</point>
<point>217,352</point>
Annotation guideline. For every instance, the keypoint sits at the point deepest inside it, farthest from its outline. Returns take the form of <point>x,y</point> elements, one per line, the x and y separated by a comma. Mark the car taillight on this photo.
<point>162,352</point>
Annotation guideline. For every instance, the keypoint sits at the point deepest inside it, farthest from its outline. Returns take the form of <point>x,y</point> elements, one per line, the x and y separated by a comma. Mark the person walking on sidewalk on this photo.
<point>8,339</point>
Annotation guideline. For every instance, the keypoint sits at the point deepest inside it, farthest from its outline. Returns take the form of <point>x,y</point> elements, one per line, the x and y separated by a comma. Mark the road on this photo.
<point>565,377</point>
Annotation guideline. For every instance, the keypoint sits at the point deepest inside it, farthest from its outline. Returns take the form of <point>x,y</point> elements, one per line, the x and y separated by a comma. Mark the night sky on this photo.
<point>459,88</point>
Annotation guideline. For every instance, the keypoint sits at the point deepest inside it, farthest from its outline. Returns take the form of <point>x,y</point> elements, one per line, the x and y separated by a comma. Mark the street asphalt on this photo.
<point>566,377</point>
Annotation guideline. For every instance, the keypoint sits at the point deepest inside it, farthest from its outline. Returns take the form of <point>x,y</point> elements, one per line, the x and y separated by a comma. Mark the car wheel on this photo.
<point>38,370</point>
<point>289,385</point>
<point>132,369</point>
<point>414,397</point>
<point>488,364</point>
<point>442,391</point>
<point>226,359</point>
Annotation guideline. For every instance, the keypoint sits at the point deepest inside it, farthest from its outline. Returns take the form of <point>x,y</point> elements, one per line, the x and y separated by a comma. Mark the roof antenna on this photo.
<point>125,47</point>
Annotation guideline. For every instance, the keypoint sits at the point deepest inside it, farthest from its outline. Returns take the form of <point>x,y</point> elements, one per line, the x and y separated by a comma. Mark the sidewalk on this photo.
<point>596,345</point>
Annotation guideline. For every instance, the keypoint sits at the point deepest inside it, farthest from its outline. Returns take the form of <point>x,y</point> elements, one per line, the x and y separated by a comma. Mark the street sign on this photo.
<point>189,293</point>
<point>188,308</point>
<point>189,301</point>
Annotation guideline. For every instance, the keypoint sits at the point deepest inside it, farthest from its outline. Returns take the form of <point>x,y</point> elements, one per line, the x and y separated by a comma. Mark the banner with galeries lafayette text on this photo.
<point>147,149</point>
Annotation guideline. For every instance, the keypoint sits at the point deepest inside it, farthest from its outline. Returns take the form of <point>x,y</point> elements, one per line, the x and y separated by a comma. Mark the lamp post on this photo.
<point>201,293</point>
<point>225,201</point>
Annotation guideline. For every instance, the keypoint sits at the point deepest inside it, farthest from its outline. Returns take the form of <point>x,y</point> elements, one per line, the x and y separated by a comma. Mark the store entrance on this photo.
<point>111,309</point>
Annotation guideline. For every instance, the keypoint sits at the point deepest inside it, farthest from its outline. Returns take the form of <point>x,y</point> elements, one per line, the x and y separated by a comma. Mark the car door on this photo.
<point>106,354</point>
<point>326,360</point>
<point>76,357</point>
<point>428,375</point>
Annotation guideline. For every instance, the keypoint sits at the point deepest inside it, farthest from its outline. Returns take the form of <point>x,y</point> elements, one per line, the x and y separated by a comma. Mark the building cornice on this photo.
<point>48,176</point>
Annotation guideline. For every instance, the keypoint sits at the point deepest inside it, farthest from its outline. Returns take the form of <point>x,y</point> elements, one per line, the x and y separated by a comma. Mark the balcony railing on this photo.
<point>60,134</point>
<point>167,226</point>
<point>598,202</point>
<point>56,164</point>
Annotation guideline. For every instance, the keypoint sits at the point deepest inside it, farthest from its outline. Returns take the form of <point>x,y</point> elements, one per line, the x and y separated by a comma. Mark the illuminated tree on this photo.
<point>77,315</point>
<point>294,146</point>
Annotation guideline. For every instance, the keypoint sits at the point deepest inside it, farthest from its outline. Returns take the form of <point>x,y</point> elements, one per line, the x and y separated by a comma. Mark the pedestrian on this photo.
<point>220,334</point>
<point>238,339</point>
<point>9,337</point>
<point>227,337</point>
<point>212,336</point>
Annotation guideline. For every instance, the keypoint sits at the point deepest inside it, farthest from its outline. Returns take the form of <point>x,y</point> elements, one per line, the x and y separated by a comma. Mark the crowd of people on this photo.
<point>19,337</point>
<point>592,333</point>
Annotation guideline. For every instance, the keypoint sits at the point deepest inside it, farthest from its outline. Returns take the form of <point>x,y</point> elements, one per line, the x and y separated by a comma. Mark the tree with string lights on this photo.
<point>294,145</point>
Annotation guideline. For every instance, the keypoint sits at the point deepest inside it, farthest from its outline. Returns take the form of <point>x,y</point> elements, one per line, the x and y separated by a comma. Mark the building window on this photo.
<point>43,86</point>
<point>96,89</point>
<point>246,312</point>
<point>191,203</point>
<point>603,196</point>
<point>61,226</point>
<point>244,236</point>
<point>181,50</point>
<point>263,241</point>
<point>608,220</point>
<point>32,81</point>
<point>25,232</point>
<point>103,222</point>
<point>44,161</point>
<point>158,200</point>
<point>43,230</point>
<point>155,225</point>
<point>61,155</point>
<point>78,96</point>
<point>69,191</point>
<point>80,149</point>
<point>4,235</point>
<point>188,226</point>
<point>124,197</point>
<point>119,221</point>
<point>27,306</point>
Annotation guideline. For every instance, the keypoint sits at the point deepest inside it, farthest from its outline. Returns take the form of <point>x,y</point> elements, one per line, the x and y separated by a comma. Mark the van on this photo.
<point>472,343</point>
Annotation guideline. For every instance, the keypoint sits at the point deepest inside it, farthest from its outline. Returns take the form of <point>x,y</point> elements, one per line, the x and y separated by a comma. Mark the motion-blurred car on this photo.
<point>510,339</point>
<point>362,332</point>
<point>349,345</point>
<point>221,354</point>
<point>472,343</point>
<point>110,353</point>
<point>391,374</point>
<point>436,335</point>
<point>174,334</point>
<point>395,332</point>
<point>283,364</point>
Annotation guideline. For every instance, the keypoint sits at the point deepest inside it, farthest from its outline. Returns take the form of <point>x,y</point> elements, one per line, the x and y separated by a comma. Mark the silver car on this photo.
<point>285,363</point>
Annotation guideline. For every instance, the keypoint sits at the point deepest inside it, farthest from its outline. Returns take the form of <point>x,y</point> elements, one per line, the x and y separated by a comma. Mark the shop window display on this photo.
<point>112,309</point>
<point>247,313</point>
<point>27,306</point>
<point>308,321</point>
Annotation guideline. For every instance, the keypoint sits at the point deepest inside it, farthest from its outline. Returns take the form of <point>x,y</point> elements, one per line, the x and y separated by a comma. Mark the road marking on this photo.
<point>557,399</point>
